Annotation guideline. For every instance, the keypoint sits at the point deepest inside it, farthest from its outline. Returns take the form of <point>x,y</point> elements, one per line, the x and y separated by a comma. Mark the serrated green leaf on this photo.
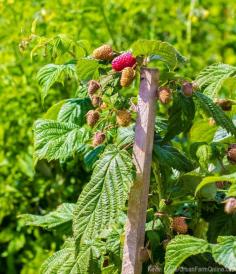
<point>156,49</point>
<point>92,156</point>
<point>213,77</point>
<point>125,136</point>
<point>171,157</point>
<point>213,179</point>
<point>74,111</point>
<point>60,44</point>
<point>61,217</point>
<point>216,112</point>
<point>181,115</point>
<point>53,111</point>
<point>56,140</point>
<point>52,73</point>
<point>201,131</point>
<point>72,260</point>
<point>224,253</point>
<point>54,263</point>
<point>105,195</point>
<point>87,69</point>
<point>180,248</point>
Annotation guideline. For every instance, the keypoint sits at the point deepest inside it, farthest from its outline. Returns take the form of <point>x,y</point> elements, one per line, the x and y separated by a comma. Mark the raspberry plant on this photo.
<point>186,221</point>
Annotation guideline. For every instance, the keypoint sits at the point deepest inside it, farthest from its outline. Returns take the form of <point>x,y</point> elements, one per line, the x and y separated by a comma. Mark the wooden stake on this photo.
<point>142,156</point>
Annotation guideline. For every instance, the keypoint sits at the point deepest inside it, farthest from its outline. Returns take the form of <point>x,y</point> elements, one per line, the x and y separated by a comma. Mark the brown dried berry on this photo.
<point>127,76</point>
<point>92,117</point>
<point>231,153</point>
<point>96,100</point>
<point>123,118</point>
<point>93,86</point>
<point>187,89</point>
<point>225,104</point>
<point>164,95</point>
<point>98,138</point>
<point>179,225</point>
<point>230,206</point>
<point>145,254</point>
<point>222,184</point>
<point>104,52</point>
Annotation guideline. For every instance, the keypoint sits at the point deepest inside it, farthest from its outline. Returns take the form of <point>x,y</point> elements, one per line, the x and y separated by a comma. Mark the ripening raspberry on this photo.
<point>127,76</point>
<point>98,138</point>
<point>92,117</point>
<point>123,61</point>
<point>93,86</point>
<point>104,52</point>
<point>123,118</point>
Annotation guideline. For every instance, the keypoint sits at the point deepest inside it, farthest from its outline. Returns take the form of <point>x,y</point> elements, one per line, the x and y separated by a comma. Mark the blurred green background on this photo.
<point>203,31</point>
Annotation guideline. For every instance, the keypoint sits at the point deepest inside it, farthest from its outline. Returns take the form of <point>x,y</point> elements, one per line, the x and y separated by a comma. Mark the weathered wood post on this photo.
<point>142,156</point>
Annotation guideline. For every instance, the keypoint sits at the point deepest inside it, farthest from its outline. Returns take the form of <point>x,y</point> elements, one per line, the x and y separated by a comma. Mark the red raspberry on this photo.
<point>123,61</point>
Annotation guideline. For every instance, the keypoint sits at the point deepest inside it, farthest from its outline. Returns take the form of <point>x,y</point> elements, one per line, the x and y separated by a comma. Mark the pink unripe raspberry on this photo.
<point>123,61</point>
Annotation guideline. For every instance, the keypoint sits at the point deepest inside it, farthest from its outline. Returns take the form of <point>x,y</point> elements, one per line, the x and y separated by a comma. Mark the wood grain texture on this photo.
<point>142,156</point>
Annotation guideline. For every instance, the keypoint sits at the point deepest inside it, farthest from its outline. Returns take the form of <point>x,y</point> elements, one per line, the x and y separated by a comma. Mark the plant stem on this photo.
<point>189,22</point>
<point>156,172</point>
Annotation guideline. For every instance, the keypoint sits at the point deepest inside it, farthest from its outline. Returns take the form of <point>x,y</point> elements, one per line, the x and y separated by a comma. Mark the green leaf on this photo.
<point>55,140</point>
<point>60,218</point>
<point>92,156</point>
<point>204,154</point>
<point>201,131</point>
<point>220,224</point>
<point>224,252</point>
<point>61,44</point>
<point>53,111</point>
<point>156,49</point>
<point>87,69</point>
<point>213,77</point>
<point>125,136</point>
<point>182,247</point>
<point>171,157</point>
<point>71,260</point>
<point>213,179</point>
<point>181,115</point>
<point>54,263</point>
<point>216,112</point>
<point>52,73</point>
<point>105,195</point>
<point>74,111</point>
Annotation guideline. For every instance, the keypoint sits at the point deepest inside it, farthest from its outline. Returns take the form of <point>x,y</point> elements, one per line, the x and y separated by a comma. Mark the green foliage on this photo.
<point>171,157</point>
<point>36,28</point>
<point>212,78</point>
<point>224,252</point>
<point>213,179</point>
<point>158,50</point>
<point>181,115</point>
<point>57,140</point>
<point>216,112</point>
<point>51,73</point>
<point>61,217</point>
<point>68,260</point>
<point>74,111</point>
<point>188,245</point>
<point>105,195</point>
